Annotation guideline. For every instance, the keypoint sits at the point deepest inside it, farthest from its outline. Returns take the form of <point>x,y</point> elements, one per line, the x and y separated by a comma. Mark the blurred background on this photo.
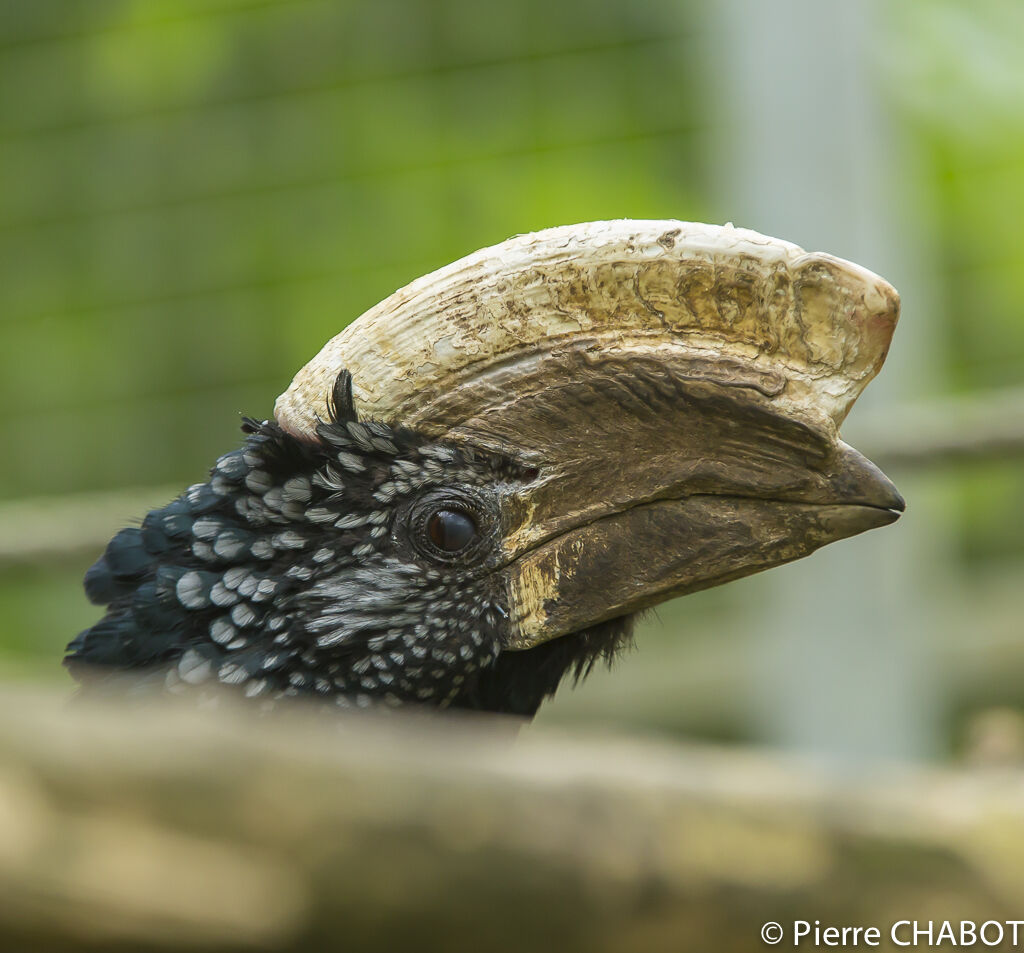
<point>196,194</point>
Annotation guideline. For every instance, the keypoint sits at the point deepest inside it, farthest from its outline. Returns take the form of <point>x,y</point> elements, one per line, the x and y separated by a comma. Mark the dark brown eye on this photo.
<point>451,530</point>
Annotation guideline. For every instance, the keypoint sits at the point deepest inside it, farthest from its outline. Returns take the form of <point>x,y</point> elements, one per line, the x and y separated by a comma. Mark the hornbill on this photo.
<point>474,488</point>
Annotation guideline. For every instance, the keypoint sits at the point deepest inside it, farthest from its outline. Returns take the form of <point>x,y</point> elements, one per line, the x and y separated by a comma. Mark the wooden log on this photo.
<point>124,826</point>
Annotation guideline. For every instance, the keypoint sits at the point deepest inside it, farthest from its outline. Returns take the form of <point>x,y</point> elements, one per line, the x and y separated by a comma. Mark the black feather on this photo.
<point>101,587</point>
<point>341,406</point>
<point>126,556</point>
<point>294,570</point>
<point>520,681</point>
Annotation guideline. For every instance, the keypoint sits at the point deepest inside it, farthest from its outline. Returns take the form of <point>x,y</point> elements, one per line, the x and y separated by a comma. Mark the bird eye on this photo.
<point>451,530</point>
<point>451,525</point>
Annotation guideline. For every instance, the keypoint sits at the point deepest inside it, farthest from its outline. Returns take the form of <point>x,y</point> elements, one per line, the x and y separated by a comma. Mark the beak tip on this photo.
<point>893,500</point>
<point>857,480</point>
<point>890,516</point>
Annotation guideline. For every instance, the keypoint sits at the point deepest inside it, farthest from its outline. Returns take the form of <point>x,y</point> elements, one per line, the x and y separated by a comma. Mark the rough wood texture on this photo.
<point>124,827</point>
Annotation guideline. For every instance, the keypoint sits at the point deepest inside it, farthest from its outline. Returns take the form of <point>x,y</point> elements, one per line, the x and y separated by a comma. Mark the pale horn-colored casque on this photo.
<point>813,329</point>
<point>571,427</point>
<point>676,388</point>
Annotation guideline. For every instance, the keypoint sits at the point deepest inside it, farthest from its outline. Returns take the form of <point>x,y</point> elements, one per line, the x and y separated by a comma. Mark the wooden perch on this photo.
<point>152,828</point>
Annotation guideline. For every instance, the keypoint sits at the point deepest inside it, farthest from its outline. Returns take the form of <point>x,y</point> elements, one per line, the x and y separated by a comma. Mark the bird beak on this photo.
<point>677,388</point>
<point>700,534</point>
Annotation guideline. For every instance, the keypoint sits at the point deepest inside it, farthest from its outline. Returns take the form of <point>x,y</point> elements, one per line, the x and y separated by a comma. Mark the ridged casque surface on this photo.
<point>817,327</point>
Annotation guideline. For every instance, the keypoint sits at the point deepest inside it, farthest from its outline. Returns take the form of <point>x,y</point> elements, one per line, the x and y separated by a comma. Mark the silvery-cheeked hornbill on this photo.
<point>472,490</point>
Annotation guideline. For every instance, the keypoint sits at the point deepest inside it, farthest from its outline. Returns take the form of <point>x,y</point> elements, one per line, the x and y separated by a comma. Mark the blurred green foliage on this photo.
<point>196,194</point>
<point>956,78</point>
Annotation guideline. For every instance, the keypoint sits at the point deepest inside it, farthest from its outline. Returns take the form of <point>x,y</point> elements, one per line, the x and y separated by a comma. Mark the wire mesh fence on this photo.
<point>196,195</point>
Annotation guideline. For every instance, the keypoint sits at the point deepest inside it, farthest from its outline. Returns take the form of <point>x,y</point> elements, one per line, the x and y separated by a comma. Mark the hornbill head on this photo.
<point>475,486</point>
